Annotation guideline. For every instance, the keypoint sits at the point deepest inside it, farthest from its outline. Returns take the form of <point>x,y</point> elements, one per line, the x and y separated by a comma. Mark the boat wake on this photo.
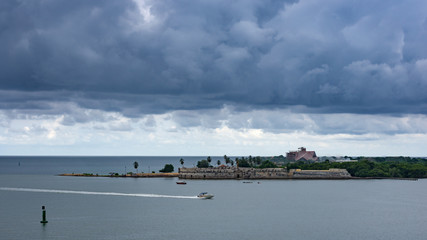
<point>96,193</point>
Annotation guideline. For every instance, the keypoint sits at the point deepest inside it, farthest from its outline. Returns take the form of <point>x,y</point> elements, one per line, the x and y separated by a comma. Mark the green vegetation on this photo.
<point>277,159</point>
<point>168,168</point>
<point>385,167</point>
<point>243,162</point>
<point>255,162</point>
<point>136,165</point>
<point>249,161</point>
<point>267,164</point>
<point>392,159</point>
<point>227,160</point>
<point>203,164</point>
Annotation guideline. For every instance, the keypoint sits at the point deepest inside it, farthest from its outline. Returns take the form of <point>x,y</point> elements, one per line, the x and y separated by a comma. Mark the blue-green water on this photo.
<point>158,208</point>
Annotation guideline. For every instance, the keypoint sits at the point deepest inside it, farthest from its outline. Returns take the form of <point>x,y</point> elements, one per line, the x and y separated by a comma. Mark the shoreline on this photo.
<point>172,175</point>
<point>136,175</point>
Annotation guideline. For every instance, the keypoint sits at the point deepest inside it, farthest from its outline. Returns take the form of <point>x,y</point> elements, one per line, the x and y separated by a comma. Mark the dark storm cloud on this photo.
<point>140,57</point>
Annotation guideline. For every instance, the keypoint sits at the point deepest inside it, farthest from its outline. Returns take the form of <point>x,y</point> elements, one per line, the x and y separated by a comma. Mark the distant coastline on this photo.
<point>282,168</point>
<point>215,177</point>
<point>135,175</point>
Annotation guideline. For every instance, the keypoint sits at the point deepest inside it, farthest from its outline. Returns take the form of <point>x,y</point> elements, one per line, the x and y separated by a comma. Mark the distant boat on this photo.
<point>181,182</point>
<point>205,195</point>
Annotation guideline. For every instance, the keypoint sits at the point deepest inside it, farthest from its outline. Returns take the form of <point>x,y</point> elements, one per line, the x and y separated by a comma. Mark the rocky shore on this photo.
<point>256,173</point>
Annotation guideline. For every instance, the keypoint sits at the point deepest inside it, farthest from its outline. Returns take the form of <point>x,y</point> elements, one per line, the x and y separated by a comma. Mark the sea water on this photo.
<point>158,208</point>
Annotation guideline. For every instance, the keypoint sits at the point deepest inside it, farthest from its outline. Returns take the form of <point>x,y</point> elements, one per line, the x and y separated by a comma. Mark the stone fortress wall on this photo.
<point>256,173</point>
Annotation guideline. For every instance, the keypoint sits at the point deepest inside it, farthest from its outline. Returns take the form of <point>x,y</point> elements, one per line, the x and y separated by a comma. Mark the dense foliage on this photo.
<point>248,161</point>
<point>407,168</point>
<point>243,163</point>
<point>277,159</point>
<point>203,164</point>
<point>254,162</point>
<point>395,167</point>
<point>167,169</point>
<point>267,164</point>
<point>392,159</point>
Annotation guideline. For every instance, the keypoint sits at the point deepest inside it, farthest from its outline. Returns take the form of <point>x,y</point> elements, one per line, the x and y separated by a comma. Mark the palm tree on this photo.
<point>136,165</point>
<point>209,160</point>
<point>227,160</point>
<point>181,161</point>
<point>218,162</point>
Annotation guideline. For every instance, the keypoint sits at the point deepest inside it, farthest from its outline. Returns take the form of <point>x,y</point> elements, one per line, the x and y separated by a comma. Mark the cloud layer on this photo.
<point>277,66</point>
<point>157,56</point>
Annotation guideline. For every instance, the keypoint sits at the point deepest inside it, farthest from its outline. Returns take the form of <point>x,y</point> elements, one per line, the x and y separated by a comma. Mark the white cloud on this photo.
<point>152,77</point>
<point>143,19</point>
<point>218,132</point>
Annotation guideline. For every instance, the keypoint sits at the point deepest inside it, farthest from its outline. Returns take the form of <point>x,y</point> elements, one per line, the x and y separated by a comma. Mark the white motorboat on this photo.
<point>205,195</point>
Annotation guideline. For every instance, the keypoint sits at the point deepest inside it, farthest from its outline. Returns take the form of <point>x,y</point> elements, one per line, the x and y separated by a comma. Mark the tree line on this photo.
<point>410,168</point>
<point>395,167</point>
<point>255,162</point>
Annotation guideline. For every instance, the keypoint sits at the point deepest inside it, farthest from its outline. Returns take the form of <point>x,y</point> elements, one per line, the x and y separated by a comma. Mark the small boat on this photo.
<point>181,182</point>
<point>205,195</point>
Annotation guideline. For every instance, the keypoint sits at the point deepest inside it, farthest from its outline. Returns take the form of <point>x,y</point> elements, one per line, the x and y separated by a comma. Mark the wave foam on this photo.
<point>96,193</point>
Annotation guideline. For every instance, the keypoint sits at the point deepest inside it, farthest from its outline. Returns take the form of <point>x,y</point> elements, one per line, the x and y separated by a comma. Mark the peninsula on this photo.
<point>134,175</point>
<point>227,172</point>
<point>300,164</point>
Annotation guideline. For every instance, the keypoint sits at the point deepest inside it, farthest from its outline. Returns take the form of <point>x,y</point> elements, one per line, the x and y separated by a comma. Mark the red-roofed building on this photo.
<point>302,155</point>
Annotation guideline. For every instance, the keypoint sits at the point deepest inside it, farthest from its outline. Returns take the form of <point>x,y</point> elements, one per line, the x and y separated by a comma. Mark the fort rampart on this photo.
<point>256,173</point>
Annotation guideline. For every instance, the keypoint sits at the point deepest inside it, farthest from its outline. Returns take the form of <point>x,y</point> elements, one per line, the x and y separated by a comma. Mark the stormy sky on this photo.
<point>213,77</point>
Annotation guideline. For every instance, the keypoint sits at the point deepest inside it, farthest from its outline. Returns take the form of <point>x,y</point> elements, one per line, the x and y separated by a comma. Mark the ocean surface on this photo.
<point>158,208</point>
